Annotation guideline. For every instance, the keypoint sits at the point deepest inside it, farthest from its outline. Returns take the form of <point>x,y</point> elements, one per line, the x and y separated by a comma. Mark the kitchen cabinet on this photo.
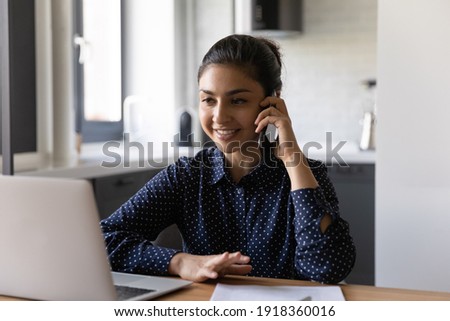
<point>112,191</point>
<point>355,188</point>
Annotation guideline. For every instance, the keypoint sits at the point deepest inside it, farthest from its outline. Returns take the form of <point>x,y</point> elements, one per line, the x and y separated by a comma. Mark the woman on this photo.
<point>243,207</point>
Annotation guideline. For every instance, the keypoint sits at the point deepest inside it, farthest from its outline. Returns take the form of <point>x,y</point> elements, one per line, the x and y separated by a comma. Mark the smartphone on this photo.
<point>269,133</point>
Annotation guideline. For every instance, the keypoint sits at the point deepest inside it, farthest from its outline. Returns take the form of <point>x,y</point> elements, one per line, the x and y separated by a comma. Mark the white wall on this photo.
<point>324,65</point>
<point>213,20</point>
<point>413,155</point>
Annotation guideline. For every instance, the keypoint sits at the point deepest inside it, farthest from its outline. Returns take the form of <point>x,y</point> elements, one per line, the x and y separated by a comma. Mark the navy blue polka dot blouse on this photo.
<point>259,216</point>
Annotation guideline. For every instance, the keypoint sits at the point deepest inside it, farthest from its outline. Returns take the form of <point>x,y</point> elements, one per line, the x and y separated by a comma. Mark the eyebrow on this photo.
<point>228,93</point>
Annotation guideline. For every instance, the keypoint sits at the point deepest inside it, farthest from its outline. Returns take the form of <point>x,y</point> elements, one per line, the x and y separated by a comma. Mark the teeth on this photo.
<point>226,132</point>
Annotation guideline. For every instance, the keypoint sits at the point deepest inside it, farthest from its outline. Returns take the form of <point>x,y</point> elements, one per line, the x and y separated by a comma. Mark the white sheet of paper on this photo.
<point>225,292</point>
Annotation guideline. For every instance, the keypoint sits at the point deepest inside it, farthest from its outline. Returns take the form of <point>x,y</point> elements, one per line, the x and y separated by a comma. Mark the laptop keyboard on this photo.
<point>127,292</point>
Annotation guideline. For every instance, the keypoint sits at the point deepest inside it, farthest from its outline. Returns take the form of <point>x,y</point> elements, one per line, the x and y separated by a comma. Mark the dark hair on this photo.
<point>259,58</point>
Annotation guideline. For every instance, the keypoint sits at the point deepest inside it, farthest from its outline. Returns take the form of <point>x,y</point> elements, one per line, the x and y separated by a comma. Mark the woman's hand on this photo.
<point>199,268</point>
<point>275,112</point>
<point>287,149</point>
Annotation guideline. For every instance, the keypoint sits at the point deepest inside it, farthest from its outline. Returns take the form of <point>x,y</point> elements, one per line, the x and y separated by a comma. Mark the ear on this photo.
<point>278,93</point>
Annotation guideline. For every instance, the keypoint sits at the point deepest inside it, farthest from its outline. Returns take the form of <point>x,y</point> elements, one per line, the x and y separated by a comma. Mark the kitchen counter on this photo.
<point>96,160</point>
<point>346,153</point>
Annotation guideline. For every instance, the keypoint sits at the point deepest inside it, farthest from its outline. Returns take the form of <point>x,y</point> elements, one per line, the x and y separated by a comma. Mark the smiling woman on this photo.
<point>242,208</point>
<point>229,105</point>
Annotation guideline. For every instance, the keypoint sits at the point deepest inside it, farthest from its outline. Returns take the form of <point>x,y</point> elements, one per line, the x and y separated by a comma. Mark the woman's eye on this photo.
<point>238,101</point>
<point>208,101</point>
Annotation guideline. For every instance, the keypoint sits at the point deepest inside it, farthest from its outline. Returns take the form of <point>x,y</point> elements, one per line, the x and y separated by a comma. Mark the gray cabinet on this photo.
<point>355,188</point>
<point>112,191</point>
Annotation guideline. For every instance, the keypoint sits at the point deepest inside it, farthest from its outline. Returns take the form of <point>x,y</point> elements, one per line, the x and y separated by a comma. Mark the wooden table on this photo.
<point>203,291</point>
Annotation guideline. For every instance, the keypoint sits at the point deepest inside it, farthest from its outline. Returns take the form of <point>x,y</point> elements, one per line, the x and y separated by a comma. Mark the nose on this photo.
<point>221,113</point>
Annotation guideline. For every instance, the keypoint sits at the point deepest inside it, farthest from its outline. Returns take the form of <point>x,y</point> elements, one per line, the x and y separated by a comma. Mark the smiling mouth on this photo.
<point>225,134</point>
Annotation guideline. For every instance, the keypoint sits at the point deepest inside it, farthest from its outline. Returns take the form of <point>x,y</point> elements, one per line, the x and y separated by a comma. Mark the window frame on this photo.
<point>94,131</point>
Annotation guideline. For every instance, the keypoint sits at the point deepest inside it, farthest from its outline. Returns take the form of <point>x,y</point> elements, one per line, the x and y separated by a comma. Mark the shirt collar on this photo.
<point>217,169</point>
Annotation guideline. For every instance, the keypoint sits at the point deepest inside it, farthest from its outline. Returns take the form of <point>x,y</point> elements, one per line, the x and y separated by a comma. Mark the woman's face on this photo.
<point>229,105</point>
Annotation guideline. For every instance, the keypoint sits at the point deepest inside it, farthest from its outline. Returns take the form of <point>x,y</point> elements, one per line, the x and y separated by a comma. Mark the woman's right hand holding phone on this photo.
<point>287,150</point>
<point>275,112</point>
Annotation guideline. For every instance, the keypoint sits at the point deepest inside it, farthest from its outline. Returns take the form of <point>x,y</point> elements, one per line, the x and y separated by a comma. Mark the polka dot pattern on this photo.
<point>259,216</point>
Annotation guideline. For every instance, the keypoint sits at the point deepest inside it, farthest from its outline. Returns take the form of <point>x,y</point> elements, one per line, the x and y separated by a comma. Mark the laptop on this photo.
<point>52,248</point>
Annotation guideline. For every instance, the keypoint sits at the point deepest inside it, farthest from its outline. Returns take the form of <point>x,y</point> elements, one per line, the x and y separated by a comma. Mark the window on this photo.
<point>99,65</point>
<point>127,76</point>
